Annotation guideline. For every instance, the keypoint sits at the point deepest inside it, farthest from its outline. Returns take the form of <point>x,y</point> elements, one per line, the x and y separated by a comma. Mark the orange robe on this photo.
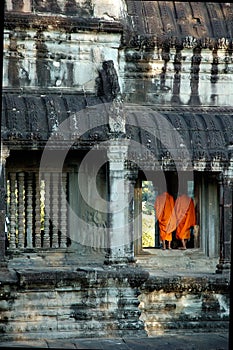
<point>164,210</point>
<point>185,216</point>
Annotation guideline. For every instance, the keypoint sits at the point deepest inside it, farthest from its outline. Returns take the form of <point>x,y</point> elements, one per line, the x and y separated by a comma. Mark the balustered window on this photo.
<point>37,210</point>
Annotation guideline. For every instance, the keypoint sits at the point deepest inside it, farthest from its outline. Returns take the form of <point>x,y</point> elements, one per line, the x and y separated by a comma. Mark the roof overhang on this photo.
<point>171,136</point>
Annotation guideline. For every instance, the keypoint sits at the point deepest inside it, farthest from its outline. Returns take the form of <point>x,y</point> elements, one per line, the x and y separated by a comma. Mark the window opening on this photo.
<point>149,237</point>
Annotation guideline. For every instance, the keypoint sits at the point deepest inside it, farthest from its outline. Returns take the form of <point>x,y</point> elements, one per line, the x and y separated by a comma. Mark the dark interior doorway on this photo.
<point>152,185</point>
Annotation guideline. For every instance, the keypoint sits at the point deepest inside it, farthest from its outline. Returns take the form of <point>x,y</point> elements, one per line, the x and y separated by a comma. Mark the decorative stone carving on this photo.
<point>29,210</point>
<point>21,210</point>
<point>12,210</point>
<point>37,211</point>
<point>107,83</point>
<point>55,209</point>
<point>46,237</point>
<point>117,117</point>
<point>64,213</point>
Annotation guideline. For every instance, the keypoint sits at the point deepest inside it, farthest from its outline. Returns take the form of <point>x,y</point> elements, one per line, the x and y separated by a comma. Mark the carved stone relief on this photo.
<point>107,83</point>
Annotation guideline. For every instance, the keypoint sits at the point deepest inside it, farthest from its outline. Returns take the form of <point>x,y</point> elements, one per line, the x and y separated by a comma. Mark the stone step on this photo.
<point>188,260</point>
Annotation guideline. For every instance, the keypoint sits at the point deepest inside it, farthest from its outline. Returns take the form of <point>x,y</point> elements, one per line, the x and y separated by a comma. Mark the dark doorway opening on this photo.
<point>152,185</point>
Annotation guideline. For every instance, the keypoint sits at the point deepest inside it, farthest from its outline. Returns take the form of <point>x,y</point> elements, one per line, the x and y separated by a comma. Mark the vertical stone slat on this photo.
<point>63,216</point>
<point>12,210</point>
<point>29,210</point>
<point>3,214</point>
<point>54,203</point>
<point>46,240</point>
<point>37,211</point>
<point>21,210</point>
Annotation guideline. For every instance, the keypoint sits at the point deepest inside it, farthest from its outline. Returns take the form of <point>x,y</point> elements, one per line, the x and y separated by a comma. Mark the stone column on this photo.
<point>138,217</point>
<point>226,201</point>
<point>4,154</point>
<point>121,194</point>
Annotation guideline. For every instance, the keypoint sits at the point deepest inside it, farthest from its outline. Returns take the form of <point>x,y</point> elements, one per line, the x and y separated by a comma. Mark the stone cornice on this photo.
<point>53,22</point>
<point>156,107</point>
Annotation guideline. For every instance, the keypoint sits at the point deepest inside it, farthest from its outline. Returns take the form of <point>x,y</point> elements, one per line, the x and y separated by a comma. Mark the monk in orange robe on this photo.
<point>186,218</point>
<point>164,211</point>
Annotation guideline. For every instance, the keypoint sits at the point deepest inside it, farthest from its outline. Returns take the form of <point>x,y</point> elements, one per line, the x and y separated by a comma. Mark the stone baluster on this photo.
<point>12,210</point>
<point>29,210</point>
<point>120,235</point>
<point>63,216</point>
<point>46,239</point>
<point>21,210</point>
<point>3,219</point>
<point>55,196</point>
<point>37,211</point>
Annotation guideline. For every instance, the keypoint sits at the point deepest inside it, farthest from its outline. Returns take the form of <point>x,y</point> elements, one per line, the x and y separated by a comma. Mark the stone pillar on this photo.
<point>226,201</point>
<point>120,212</point>
<point>138,217</point>
<point>4,154</point>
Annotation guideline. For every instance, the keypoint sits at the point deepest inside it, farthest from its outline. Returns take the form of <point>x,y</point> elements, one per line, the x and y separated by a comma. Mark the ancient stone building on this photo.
<point>99,96</point>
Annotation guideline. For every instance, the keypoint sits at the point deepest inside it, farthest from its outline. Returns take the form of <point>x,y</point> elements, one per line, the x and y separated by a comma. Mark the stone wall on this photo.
<point>185,304</point>
<point>151,77</point>
<point>108,9</point>
<point>53,49</point>
<point>57,59</point>
<point>104,302</point>
<point>87,302</point>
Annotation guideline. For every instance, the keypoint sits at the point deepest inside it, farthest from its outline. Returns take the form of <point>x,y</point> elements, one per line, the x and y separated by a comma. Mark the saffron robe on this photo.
<point>185,216</point>
<point>164,211</point>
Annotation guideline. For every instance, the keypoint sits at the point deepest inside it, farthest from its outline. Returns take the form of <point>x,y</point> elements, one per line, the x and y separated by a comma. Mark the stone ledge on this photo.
<point>197,283</point>
<point>48,278</point>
